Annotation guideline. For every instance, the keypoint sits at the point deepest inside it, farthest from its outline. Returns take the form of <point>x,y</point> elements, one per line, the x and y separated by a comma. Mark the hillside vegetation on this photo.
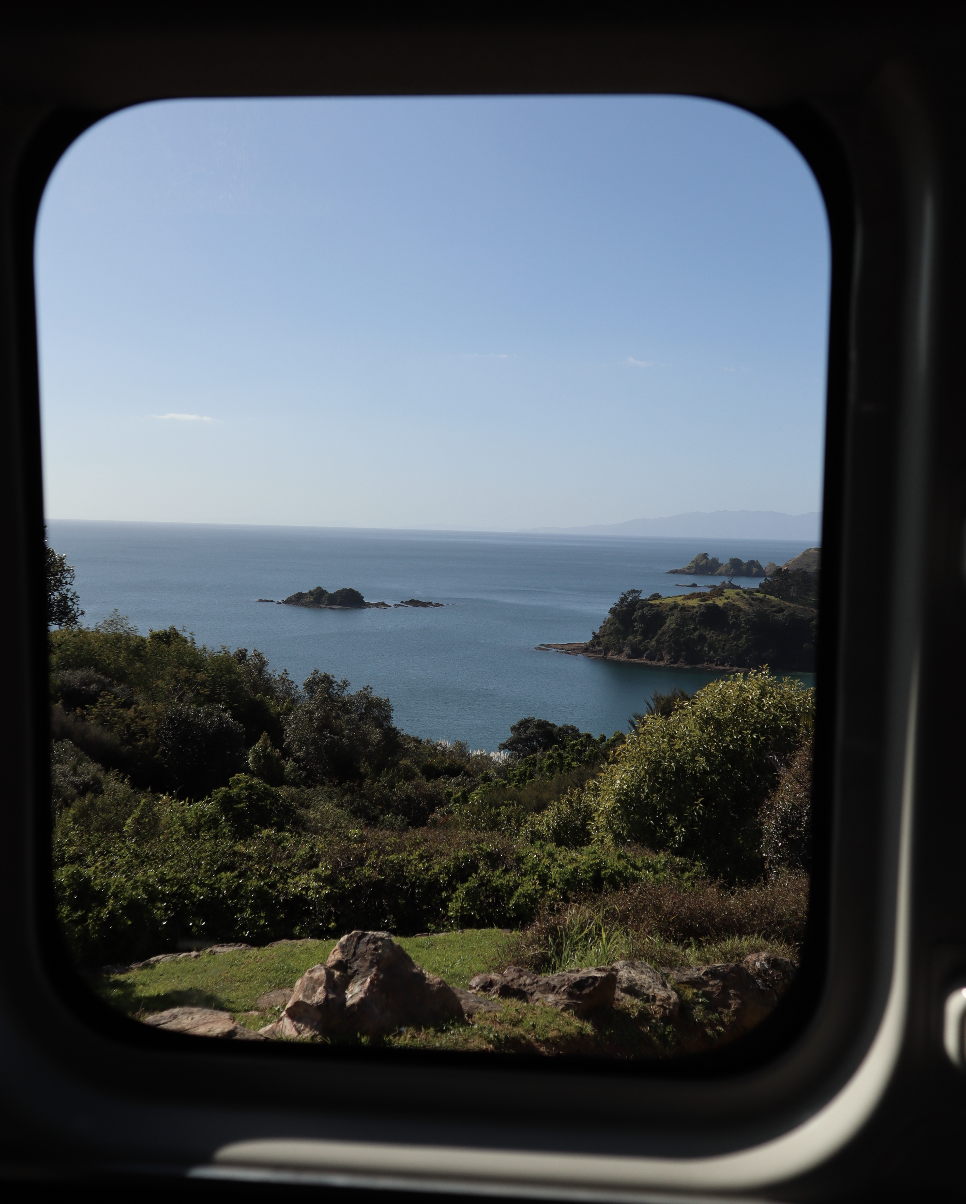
<point>199,797</point>
<point>722,627</point>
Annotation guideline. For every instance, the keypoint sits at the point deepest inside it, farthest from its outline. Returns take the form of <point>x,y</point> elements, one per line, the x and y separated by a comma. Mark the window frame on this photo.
<point>783,1101</point>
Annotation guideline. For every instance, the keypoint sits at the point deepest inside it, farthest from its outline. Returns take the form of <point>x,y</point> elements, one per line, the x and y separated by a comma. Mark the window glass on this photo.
<point>433,498</point>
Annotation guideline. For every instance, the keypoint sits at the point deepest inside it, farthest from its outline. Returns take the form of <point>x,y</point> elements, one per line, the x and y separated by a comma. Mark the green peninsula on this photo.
<point>722,628</point>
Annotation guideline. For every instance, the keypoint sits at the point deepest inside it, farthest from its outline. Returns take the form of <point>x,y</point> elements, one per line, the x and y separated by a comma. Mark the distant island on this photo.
<point>704,565</point>
<point>724,627</point>
<point>341,599</point>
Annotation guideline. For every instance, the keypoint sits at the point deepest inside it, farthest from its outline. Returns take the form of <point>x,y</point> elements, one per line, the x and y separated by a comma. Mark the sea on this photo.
<point>465,671</point>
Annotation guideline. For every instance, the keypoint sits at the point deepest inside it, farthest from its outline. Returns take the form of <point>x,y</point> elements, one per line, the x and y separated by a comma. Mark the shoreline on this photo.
<point>578,649</point>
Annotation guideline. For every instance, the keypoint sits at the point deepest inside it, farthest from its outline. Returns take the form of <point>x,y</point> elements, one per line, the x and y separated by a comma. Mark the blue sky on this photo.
<point>443,313</point>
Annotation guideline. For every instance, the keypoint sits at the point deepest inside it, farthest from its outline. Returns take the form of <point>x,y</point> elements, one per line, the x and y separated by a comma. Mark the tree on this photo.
<point>200,747</point>
<point>661,705</point>
<point>63,603</point>
<point>530,735</point>
<point>333,734</point>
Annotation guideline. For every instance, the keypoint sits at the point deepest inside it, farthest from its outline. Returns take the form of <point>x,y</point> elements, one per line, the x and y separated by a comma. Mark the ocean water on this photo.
<point>464,672</point>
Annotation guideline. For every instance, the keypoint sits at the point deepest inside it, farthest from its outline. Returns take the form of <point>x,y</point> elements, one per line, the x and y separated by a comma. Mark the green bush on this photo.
<point>175,872</point>
<point>567,822</point>
<point>693,783</point>
<point>247,804</point>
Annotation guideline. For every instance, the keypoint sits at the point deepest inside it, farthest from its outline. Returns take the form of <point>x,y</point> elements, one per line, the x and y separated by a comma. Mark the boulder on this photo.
<point>731,990</point>
<point>316,1008</point>
<point>581,992</point>
<point>770,971</point>
<point>201,1022</point>
<point>642,981</point>
<point>368,986</point>
<point>473,1003</point>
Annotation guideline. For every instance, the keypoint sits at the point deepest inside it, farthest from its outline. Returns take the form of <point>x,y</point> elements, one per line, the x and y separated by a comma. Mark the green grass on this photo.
<point>233,982</point>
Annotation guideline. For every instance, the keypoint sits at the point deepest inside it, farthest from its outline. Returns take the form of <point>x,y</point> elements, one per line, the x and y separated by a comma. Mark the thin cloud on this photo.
<point>182,417</point>
<point>485,355</point>
<point>639,363</point>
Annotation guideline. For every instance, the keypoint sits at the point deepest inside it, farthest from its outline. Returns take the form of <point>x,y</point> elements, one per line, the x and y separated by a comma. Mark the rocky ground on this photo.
<point>370,990</point>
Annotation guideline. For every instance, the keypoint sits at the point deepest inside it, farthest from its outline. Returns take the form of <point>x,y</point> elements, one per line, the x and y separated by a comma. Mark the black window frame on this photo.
<point>876,129</point>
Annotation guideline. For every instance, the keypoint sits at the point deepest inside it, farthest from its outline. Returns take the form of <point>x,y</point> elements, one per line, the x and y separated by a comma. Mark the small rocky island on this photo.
<point>704,565</point>
<point>341,599</point>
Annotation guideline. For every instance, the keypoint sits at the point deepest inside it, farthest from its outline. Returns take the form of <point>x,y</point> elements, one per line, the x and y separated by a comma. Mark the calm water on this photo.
<point>464,672</point>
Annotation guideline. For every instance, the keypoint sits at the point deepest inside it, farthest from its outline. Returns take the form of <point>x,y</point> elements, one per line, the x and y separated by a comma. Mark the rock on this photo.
<point>316,1007</point>
<point>581,992</point>
<point>201,1022</point>
<point>368,986</point>
<point>473,1003</point>
<point>513,983</point>
<point>159,958</point>
<point>642,981</point>
<point>273,999</point>
<point>731,990</point>
<point>770,971</point>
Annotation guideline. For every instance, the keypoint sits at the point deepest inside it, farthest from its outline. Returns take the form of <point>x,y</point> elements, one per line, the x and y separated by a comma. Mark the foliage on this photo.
<point>169,713</point>
<point>198,796</point>
<point>266,762</point>
<point>63,603</point>
<point>722,626</point>
<point>693,783</point>
<point>134,881</point>
<point>247,805</point>
<point>661,704</point>
<point>333,734</point>
<point>532,736</point>
<point>792,585</point>
<point>667,922</point>
<point>786,817</point>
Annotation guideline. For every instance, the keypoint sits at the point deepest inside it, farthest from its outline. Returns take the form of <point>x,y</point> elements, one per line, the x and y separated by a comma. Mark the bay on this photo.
<point>463,672</point>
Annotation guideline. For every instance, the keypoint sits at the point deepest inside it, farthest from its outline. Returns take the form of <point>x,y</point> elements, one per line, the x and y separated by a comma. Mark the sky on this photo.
<point>456,313</point>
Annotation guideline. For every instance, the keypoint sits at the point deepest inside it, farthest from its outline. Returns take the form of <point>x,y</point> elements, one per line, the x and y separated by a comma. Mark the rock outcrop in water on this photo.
<point>704,565</point>
<point>342,599</point>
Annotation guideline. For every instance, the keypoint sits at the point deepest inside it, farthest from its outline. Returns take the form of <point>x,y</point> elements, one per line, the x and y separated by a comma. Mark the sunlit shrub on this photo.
<point>693,783</point>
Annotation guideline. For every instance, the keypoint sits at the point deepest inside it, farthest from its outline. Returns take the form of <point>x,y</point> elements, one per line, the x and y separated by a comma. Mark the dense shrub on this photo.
<point>200,747</point>
<point>694,783</point>
<point>120,899</point>
<point>639,920</point>
<point>246,804</point>
<point>786,817</point>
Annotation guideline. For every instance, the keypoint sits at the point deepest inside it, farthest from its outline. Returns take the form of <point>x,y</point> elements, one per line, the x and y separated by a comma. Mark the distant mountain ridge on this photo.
<point>714,524</point>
